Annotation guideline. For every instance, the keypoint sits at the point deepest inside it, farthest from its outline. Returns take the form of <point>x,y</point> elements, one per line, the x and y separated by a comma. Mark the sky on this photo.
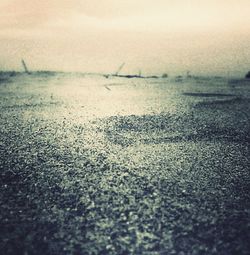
<point>154,36</point>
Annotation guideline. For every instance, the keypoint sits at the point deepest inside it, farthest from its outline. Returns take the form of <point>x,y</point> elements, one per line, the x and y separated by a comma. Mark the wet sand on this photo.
<point>91,165</point>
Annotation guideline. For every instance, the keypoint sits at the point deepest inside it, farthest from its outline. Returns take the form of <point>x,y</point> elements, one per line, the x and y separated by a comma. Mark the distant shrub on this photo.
<point>248,75</point>
<point>13,74</point>
<point>165,75</point>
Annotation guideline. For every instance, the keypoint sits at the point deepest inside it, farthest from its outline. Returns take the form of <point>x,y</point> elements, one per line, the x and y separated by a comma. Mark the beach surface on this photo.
<point>91,165</point>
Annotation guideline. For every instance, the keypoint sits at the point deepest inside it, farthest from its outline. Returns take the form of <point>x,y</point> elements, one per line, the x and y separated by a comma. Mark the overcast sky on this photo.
<point>156,36</point>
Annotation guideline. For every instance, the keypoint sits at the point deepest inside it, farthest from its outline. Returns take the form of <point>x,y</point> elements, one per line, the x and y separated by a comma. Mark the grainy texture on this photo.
<point>143,167</point>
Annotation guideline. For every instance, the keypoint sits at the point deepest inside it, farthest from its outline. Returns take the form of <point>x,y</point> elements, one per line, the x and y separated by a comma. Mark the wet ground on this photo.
<point>91,165</point>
